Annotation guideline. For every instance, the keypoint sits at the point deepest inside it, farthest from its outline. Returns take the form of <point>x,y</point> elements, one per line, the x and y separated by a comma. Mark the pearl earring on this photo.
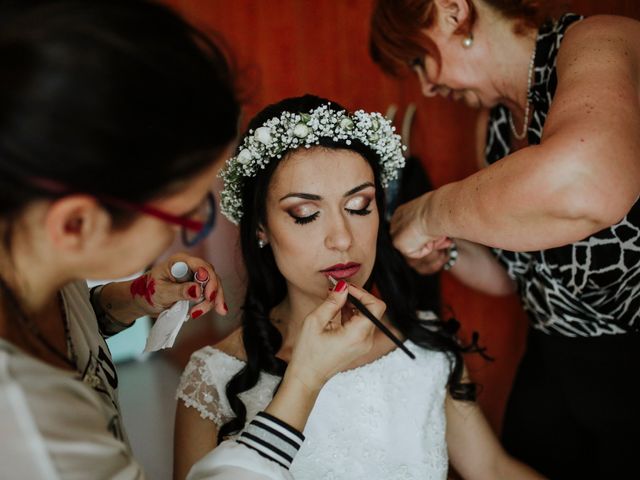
<point>261,243</point>
<point>467,42</point>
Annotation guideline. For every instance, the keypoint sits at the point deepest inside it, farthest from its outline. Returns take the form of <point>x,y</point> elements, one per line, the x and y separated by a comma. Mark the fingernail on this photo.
<point>340,286</point>
<point>196,314</point>
<point>193,291</point>
<point>226,309</point>
<point>213,296</point>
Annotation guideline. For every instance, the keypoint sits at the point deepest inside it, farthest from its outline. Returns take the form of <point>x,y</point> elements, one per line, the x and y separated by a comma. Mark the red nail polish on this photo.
<point>193,291</point>
<point>226,309</point>
<point>213,296</point>
<point>341,286</point>
<point>202,275</point>
<point>196,314</point>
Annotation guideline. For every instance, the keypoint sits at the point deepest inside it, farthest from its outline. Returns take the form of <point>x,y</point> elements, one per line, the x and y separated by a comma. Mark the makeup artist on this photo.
<point>557,204</point>
<point>113,115</point>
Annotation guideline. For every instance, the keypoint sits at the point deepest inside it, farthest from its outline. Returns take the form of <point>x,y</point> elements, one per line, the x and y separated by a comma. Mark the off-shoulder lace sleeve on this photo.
<point>203,382</point>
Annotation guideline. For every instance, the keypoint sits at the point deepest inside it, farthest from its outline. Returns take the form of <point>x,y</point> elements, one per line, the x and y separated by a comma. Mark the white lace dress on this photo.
<point>383,420</point>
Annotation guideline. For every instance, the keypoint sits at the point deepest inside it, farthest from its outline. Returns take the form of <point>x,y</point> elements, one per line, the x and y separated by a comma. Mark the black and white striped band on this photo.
<point>272,438</point>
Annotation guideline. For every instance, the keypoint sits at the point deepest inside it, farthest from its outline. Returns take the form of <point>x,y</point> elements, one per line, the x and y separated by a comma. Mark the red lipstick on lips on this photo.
<point>342,270</point>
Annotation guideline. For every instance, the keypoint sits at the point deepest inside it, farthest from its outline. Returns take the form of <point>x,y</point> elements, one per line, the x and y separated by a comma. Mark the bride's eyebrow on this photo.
<point>358,188</point>
<point>311,196</point>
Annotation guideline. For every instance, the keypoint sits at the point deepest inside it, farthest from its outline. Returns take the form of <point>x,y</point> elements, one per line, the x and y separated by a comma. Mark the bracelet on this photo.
<point>453,257</point>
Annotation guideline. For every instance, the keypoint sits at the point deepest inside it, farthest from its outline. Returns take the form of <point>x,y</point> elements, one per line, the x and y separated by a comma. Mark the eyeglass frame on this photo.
<point>202,228</point>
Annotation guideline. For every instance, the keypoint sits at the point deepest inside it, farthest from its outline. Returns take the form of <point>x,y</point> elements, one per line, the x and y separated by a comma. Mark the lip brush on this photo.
<point>365,311</point>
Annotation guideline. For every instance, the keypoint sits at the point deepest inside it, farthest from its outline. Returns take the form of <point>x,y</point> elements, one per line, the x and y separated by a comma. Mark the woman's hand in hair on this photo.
<point>431,263</point>
<point>409,231</point>
<point>333,336</point>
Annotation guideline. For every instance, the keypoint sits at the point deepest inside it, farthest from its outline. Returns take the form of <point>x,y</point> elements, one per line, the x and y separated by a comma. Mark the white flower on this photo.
<point>301,130</point>
<point>346,123</point>
<point>263,135</point>
<point>244,157</point>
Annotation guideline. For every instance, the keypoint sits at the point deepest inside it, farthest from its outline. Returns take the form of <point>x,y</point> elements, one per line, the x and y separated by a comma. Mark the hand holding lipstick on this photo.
<point>181,277</point>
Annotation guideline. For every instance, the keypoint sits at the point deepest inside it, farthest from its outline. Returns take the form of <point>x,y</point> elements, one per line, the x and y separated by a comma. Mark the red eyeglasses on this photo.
<point>193,231</point>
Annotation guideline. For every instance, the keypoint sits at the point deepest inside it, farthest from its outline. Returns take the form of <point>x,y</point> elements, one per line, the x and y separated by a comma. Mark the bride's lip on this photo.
<point>342,270</point>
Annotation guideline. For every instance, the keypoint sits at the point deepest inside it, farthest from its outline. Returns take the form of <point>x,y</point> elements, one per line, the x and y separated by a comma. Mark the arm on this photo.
<point>583,177</point>
<point>328,342</point>
<point>474,450</point>
<point>195,436</point>
<point>479,269</point>
<point>475,267</point>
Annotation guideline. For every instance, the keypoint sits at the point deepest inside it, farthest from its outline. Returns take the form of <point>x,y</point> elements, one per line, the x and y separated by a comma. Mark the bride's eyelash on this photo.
<point>310,218</point>
<point>362,211</point>
<point>304,220</point>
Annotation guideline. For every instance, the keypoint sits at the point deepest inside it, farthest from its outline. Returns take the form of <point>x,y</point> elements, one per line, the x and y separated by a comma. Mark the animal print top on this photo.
<point>588,288</point>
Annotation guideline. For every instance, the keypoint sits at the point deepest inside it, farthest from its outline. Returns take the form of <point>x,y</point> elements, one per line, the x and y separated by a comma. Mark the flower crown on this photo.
<point>294,130</point>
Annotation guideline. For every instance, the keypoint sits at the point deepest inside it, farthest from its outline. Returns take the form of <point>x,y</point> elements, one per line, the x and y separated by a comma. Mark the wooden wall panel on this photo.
<point>290,47</point>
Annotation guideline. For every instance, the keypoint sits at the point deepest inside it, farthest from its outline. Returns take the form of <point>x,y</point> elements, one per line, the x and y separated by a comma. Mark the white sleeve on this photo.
<point>264,451</point>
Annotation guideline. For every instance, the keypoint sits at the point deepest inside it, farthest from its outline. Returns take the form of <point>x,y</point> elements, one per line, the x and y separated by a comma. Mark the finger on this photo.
<point>327,310</point>
<point>213,291</point>
<point>421,252</point>
<point>432,263</point>
<point>166,293</point>
<point>373,303</point>
<point>200,309</point>
<point>429,269</point>
<point>346,312</point>
<point>442,243</point>
<point>405,244</point>
<point>358,333</point>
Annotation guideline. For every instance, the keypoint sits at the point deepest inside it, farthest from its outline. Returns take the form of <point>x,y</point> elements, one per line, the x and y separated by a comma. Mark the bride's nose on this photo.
<point>338,236</point>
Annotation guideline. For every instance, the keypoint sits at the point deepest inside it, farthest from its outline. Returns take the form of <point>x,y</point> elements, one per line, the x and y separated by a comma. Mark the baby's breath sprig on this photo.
<point>290,131</point>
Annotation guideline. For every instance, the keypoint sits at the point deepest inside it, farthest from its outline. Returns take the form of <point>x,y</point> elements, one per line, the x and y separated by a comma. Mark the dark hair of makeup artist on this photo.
<point>120,98</point>
<point>266,286</point>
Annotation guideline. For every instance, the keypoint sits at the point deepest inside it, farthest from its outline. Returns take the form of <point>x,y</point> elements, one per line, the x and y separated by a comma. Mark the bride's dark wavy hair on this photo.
<point>266,286</point>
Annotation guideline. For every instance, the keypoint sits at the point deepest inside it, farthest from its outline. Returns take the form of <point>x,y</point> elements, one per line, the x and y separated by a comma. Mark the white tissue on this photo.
<point>165,330</point>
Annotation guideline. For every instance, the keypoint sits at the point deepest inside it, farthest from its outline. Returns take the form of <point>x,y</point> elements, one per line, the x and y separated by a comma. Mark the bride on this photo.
<point>306,188</point>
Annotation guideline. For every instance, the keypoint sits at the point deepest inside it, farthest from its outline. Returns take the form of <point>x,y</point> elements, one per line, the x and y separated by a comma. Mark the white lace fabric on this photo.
<point>204,380</point>
<point>383,420</point>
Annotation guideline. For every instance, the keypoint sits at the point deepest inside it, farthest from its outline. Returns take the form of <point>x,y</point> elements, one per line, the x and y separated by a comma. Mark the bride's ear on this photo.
<point>452,14</point>
<point>261,236</point>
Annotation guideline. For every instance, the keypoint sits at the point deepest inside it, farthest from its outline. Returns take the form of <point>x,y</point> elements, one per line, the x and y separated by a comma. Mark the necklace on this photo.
<point>525,126</point>
<point>35,331</point>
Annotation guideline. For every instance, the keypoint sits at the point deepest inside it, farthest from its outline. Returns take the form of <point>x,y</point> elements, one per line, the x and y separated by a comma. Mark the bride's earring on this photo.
<point>262,237</point>
<point>467,42</point>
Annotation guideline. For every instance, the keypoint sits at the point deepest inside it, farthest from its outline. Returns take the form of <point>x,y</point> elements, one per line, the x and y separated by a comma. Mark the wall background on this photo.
<point>290,47</point>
